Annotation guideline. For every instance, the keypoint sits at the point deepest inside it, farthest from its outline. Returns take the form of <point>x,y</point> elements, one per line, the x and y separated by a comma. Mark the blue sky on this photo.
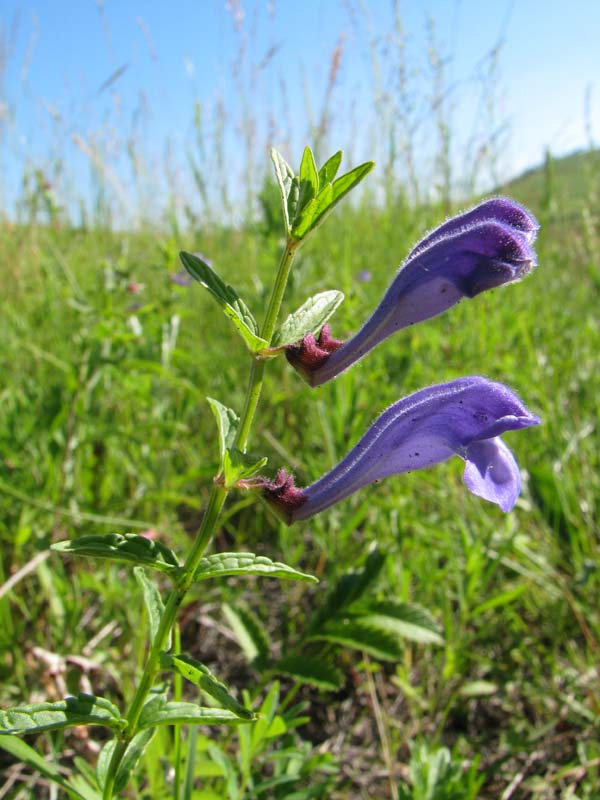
<point>85,76</point>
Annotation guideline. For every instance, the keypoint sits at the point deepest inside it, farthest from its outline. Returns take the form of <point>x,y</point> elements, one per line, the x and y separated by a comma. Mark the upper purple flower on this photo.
<point>464,417</point>
<point>478,250</point>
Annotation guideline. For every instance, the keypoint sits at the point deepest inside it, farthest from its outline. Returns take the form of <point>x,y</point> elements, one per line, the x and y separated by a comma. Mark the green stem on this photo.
<point>281,280</point>
<point>174,600</point>
<point>258,367</point>
<point>251,403</point>
<point>210,519</point>
<point>177,695</point>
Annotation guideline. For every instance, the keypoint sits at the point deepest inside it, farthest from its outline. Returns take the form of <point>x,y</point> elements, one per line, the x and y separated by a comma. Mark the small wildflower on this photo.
<point>182,278</point>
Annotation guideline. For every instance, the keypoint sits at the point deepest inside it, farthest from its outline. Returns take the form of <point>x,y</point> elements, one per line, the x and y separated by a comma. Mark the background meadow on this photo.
<point>489,685</point>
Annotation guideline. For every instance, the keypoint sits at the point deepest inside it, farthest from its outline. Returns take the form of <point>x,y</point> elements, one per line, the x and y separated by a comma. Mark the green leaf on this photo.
<point>27,755</point>
<point>83,779</point>
<point>284,175</point>
<point>309,318</point>
<point>229,300</point>
<point>227,423</point>
<point>269,725</point>
<point>117,547</point>
<point>226,564</point>
<point>239,466</point>
<point>249,632</point>
<point>330,169</point>
<point>191,770</point>
<point>309,179</point>
<point>228,770</point>
<point>406,620</point>
<point>161,712</point>
<point>349,589</point>
<point>501,599</point>
<point>83,709</point>
<point>313,213</point>
<point>347,182</point>
<point>267,714</point>
<point>276,728</point>
<point>152,600</point>
<point>201,676</point>
<point>360,636</point>
<point>86,773</point>
<point>132,755</point>
<point>104,758</point>
<point>293,198</point>
<point>83,789</point>
<point>313,670</point>
<point>265,788</point>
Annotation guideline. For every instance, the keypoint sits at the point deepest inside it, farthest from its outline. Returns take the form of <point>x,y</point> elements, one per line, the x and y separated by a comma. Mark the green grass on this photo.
<point>100,421</point>
<point>562,187</point>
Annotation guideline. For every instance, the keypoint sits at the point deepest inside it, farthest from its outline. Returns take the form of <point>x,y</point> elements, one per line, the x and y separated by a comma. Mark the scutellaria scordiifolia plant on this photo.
<point>481,249</point>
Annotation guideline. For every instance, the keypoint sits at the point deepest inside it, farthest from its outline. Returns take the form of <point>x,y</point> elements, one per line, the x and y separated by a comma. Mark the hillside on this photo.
<point>560,188</point>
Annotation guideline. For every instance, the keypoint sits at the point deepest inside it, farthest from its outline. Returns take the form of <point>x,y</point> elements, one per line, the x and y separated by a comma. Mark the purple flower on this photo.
<point>483,248</point>
<point>502,209</point>
<point>181,278</point>
<point>464,417</point>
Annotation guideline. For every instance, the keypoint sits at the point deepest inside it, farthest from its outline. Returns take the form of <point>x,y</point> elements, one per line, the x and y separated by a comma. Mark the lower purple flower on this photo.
<point>464,417</point>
